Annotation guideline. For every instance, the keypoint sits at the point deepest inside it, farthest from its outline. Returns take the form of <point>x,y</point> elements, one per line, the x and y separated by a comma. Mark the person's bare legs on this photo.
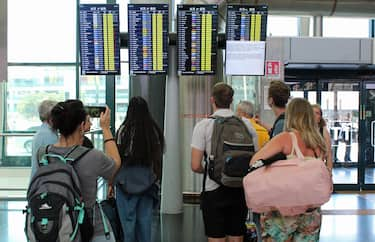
<point>235,238</point>
<point>216,239</point>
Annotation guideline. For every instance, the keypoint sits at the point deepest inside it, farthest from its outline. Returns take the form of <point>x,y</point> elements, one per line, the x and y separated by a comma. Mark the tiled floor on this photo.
<point>346,218</point>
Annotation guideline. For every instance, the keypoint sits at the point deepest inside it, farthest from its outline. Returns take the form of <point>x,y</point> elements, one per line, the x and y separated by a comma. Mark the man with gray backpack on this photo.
<point>227,143</point>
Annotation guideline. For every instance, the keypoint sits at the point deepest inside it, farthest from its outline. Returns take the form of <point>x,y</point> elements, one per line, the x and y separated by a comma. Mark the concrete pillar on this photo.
<point>3,61</point>
<point>3,41</point>
<point>304,26</point>
<point>318,26</point>
<point>171,187</point>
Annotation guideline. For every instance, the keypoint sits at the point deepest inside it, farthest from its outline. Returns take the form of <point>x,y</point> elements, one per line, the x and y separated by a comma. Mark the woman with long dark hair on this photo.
<point>141,145</point>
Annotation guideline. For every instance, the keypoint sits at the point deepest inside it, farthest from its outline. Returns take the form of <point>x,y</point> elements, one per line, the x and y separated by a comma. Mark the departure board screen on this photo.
<point>148,38</point>
<point>196,39</point>
<point>99,39</point>
<point>246,22</point>
<point>246,33</point>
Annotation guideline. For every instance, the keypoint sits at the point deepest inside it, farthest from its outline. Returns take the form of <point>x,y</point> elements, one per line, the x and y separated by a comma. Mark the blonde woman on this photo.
<point>301,127</point>
<point>325,133</point>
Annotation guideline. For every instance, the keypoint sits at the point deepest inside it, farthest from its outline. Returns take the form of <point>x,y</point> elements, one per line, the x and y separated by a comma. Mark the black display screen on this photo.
<point>197,39</point>
<point>99,39</point>
<point>245,22</point>
<point>148,38</point>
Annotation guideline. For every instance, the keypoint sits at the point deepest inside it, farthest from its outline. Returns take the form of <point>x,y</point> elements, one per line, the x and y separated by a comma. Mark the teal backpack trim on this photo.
<point>104,220</point>
<point>81,215</point>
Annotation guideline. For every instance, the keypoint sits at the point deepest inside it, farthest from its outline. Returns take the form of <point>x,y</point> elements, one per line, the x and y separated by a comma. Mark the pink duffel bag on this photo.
<point>290,186</point>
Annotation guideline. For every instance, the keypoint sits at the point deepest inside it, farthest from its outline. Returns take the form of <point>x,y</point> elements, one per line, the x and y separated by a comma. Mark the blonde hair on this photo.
<point>299,116</point>
<point>322,122</point>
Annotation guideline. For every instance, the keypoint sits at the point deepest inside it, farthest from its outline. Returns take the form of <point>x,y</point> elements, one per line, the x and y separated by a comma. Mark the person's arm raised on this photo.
<point>110,146</point>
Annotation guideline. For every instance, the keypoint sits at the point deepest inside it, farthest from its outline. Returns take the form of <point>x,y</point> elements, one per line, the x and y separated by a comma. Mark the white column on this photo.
<point>3,58</point>
<point>171,187</point>
<point>3,41</point>
<point>318,26</point>
<point>304,26</point>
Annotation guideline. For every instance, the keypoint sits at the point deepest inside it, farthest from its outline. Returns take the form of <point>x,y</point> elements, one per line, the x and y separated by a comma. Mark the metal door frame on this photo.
<point>363,134</point>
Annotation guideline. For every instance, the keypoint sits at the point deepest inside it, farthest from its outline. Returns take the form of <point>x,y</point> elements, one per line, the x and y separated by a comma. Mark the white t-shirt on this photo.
<point>202,134</point>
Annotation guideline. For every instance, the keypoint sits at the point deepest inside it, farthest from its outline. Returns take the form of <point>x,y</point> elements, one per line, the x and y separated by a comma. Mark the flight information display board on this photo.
<point>246,22</point>
<point>246,33</point>
<point>148,38</point>
<point>99,39</point>
<point>197,39</point>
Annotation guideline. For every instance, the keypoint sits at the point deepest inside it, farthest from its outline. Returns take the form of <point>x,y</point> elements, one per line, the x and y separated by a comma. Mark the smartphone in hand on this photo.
<point>95,111</point>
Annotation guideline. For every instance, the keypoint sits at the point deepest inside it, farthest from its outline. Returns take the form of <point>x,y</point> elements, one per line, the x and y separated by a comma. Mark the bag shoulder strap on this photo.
<point>76,153</point>
<point>281,117</point>
<point>41,151</point>
<point>71,157</point>
<point>295,148</point>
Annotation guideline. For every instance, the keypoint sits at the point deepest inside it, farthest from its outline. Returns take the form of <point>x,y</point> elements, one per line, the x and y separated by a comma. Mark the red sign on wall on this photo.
<point>273,68</point>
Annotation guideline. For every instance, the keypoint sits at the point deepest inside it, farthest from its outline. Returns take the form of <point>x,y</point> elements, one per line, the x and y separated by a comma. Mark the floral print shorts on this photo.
<point>300,228</point>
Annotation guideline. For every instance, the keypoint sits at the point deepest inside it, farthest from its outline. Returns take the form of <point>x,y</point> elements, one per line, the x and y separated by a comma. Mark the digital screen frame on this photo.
<point>246,33</point>
<point>148,30</point>
<point>99,38</point>
<point>197,27</point>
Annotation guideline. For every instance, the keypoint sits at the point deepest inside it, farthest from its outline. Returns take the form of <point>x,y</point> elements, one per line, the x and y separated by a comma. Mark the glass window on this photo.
<point>28,86</point>
<point>282,26</point>
<point>123,15</point>
<point>41,31</point>
<point>92,92</point>
<point>345,27</point>
<point>124,56</point>
<point>122,94</point>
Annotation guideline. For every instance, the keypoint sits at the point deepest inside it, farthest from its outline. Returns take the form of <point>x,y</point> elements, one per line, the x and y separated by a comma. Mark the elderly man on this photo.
<point>45,135</point>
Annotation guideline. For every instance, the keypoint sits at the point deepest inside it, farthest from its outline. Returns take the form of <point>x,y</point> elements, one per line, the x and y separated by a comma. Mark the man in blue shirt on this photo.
<point>45,135</point>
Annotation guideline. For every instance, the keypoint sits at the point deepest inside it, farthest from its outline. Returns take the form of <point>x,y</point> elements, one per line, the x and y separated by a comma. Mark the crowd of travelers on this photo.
<point>224,147</point>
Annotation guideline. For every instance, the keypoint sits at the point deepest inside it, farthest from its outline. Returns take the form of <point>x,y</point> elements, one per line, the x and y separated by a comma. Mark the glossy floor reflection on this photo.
<point>346,218</point>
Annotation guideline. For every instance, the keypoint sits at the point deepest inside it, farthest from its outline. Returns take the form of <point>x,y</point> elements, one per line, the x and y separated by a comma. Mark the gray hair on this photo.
<point>45,109</point>
<point>246,107</point>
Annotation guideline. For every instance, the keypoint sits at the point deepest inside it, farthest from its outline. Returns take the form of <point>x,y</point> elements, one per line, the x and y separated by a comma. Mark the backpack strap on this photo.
<point>76,153</point>
<point>104,220</point>
<point>72,156</point>
<point>281,117</point>
<point>41,151</point>
<point>206,160</point>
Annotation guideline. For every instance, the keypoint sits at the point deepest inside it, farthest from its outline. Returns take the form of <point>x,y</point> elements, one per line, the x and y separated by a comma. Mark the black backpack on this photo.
<point>231,150</point>
<point>55,210</point>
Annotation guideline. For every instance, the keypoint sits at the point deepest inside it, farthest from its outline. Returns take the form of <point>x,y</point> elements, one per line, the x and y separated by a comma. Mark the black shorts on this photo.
<point>224,212</point>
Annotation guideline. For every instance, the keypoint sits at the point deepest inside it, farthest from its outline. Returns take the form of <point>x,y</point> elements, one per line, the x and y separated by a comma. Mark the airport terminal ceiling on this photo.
<point>357,8</point>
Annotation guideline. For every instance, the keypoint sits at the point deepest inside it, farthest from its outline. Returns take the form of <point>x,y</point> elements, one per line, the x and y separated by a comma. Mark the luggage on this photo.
<point>289,186</point>
<point>231,150</point>
<point>55,210</point>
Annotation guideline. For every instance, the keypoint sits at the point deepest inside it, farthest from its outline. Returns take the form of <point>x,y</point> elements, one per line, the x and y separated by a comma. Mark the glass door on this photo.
<point>303,89</point>
<point>340,104</point>
<point>367,134</point>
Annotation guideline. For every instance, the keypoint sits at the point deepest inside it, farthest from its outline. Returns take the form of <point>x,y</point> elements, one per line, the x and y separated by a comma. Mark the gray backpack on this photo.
<point>55,211</point>
<point>231,150</point>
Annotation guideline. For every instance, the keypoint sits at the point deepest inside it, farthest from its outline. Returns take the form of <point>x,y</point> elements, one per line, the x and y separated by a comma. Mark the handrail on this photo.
<point>17,134</point>
<point>32,133</point>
